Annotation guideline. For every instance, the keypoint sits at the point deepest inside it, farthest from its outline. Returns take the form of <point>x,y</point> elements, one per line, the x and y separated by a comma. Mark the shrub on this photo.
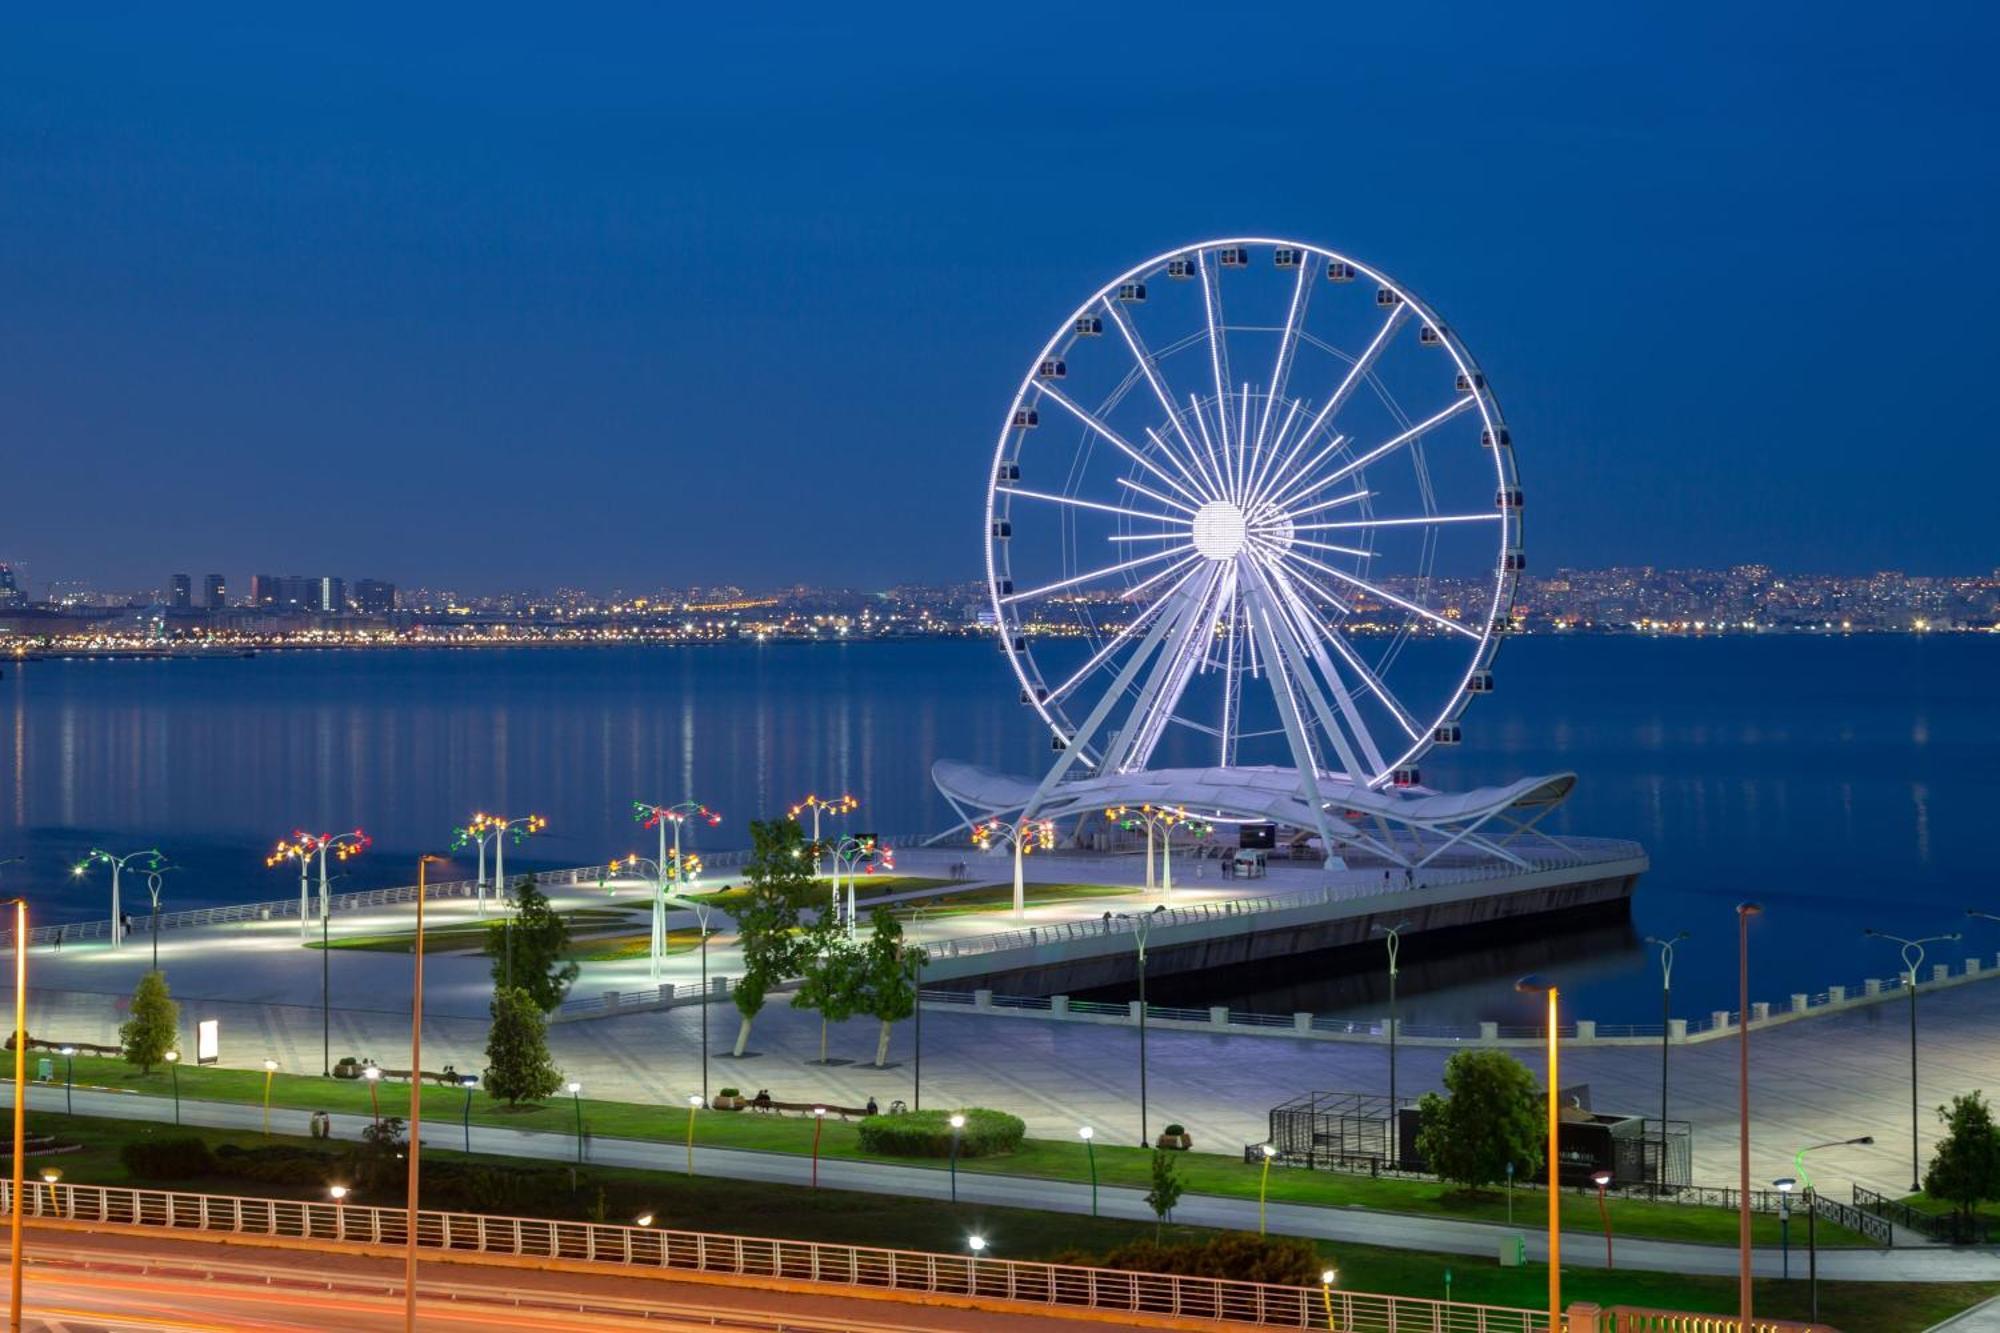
<point>928,1133</point>
<point>181,1158</point>
<point>1174,1131</point>
<point>287,1166</point>
<point>730,1092</point>
<point>1284,1260</point>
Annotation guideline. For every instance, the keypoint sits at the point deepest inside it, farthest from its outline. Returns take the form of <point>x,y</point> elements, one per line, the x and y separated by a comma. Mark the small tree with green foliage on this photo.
<point>889,972</point>
<point>1166,1190</point>
<point>155,1025</point>
<point>528,948</point>
<point>831,975</point>
<point>1486,1119</point>
<point>777,879</point>
<point>518,1067</point>
<point>1964,1170</point>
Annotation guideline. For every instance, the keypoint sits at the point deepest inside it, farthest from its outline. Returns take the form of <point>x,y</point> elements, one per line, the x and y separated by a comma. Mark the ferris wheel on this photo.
<point>1253,503</point>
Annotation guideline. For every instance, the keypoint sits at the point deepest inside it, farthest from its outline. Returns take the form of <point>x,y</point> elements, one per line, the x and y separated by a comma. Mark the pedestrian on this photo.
<point>59,938</point>
<point>125,925</point>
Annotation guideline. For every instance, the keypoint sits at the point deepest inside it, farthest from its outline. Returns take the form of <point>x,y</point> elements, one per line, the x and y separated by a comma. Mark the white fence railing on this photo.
<point>630,1248</point>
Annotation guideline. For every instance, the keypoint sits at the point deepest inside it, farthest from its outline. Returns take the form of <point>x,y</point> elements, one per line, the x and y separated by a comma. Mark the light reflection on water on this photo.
<point>1840,780</point>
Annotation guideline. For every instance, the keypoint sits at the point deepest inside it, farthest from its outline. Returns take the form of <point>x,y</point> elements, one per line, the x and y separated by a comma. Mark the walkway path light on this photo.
<point>694,1104</point>
<point>957,1127</point>
<point>270,1068</point>
<point>1602,1179</point>
<point>173,1059</point>
<point>1913,960</point>
<point>1089,1137</point>
<point>1269,1151</point>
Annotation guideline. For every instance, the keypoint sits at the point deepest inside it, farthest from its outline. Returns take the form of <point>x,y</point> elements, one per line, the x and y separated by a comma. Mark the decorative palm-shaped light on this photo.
<point>1024,836</point>
<point>1160,820</point>
<point>149,859</point>
<point>866,852</point>
<point>498,830</point>
<point>663,877</point>
<point>304,848</point>
<point>664,817</point>
<point>830,806</point>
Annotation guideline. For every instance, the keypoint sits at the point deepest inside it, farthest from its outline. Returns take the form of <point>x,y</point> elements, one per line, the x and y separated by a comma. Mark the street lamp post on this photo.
<point>695,1103</point>
<point>468,1082</point>
<point>153,893</point>
<point>1160,820</point>
<point>1744,911</point>
<point>866,852</point>
<point>918,957</point>
<point>173,1059</point>
<point>1264,1183</point>
<point>819,1121</point>
<point>68,1053</point>
<point>701,915</point>
<point>1812,1209</point>
<point>1089,1137</point>
<point>1531,986</point>
<point>1784,1186</point>
<point>957,1127</point>
<point>1393,937</point>
<point>152,858</point>
<point>270,1068</point>
<point>498,830</point>
<point>19,1228</point>
<point>1666,948</point>
<point>1024,837</point>
<point>304,848</point>
<point>661,874</point>
<point>1141,925</point>
<point>1602,1179</point>
<point>1913,959</point>
<point>424,863</point>
<point>575,1090</point>
<point>832,807</point>
<point>374,1077</point>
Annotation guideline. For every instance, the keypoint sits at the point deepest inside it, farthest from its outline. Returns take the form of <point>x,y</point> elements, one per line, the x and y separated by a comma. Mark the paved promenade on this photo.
<point>1828,1077</point>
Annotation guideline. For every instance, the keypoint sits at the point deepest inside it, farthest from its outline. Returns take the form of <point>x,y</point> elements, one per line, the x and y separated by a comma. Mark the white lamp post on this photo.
<point>305,847</point>
<point>850,852</point>
<point>152,858</point>
<point>1024,837</point>
<point>836,806</point>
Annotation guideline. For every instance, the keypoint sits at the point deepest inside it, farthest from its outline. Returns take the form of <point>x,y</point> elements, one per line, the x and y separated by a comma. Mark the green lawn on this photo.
<point>1204,1172</point>
<point>865,887</point>
<point>794,1211</point>
<point>619,948</point>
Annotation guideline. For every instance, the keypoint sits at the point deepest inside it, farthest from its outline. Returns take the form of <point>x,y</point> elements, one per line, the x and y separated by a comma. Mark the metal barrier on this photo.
<point>1949,1227</point>
<point>1639,1319</point>
<point>629,1248</point>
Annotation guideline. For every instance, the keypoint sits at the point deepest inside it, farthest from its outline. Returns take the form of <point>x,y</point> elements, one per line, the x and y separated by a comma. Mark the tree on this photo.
<point>767,923</point>
<point>538,938</point>
<point>832,975</point>
<point>888,985</point>
<point>155,1025</point>
<point>1965,1168</point>
<point>1166,1191</point>
<point>517,1049</point>
<point>1486,1119</point>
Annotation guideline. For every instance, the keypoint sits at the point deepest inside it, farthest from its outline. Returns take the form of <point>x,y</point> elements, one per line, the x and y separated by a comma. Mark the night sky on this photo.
<point>520,296</point>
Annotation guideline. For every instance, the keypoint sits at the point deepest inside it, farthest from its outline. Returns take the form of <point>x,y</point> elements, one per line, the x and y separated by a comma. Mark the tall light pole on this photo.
<point>1536,986</point>
<point>831,807</point>
<point>1142,924</point>
<point>1393,937</point>
<point>661,875</point>
<point>1913,959</point>
<point>477,832</point>
<point>501,830</point>
<point>1744,911</point>
<point>153,893</point>
<point>863,851</point>
<point>1157,820</point>
<point>1812,1208</point>
<point>1023,836</point>
<point>1666,948</point>
<point>19,1227</point>
<point>150,858</point>
<point>919,956</point>
<point>305,847</point>
<point>424,863</point>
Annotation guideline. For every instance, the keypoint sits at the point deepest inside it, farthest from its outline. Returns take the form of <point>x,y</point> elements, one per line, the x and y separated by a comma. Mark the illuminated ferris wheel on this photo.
<point>1254,502</point>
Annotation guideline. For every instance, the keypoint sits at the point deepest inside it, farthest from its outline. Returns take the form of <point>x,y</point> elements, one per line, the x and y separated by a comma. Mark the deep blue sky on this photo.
<point>522,295</point>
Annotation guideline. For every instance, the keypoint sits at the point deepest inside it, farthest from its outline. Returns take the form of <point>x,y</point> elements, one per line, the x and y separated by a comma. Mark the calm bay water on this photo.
<point>1843,781</point>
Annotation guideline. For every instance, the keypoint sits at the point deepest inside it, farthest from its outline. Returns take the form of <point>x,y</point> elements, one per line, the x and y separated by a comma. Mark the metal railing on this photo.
<point>1639,1319</point>
<point>631,1248</point>
<point>1948,1227</point>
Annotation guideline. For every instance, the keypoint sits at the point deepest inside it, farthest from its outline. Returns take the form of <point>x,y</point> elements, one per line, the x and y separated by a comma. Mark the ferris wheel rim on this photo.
<point>1030,392</point>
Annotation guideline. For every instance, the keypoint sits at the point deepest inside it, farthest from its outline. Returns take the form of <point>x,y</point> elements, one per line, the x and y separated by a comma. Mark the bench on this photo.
<point>804,1108</point>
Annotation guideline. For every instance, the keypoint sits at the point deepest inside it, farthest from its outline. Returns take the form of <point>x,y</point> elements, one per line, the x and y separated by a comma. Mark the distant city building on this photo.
<point>264,590</point>
<point>214,592</point>
<point>10,592</point>
<point>373,597</point>
<point>181,595</point>
<point>332,595</point>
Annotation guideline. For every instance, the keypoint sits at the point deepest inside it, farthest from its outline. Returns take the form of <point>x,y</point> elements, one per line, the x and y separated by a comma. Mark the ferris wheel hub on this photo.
<point>1220,531</point>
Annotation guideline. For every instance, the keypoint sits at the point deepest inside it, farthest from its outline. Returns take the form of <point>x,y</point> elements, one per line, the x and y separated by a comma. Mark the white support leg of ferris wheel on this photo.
<point>1303,635</point>
<point>1133,744</point>
<point>1286,635</point>
<point>1295,732</point>
<point>1075,744</point>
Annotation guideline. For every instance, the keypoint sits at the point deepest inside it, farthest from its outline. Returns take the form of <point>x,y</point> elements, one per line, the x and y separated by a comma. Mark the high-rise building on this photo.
<point>214,592</point>
<point>374,597</point>
<point>332,595</point>
<point>10,591</point>
<point>182,596</point>
<point>264,590</point>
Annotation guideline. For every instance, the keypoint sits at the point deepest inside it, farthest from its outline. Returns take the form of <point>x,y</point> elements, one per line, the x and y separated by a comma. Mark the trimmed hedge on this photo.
<point>1237,1255</point>
<point>281,1165</point>
<point>928,1133</point>
<point>180,1158</point>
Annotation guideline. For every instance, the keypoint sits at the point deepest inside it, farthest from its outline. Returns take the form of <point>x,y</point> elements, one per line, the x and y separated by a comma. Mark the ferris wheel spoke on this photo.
<point>1277,442</point>
<point>1360,367</point>
<point>1385,595</point>
<point>1337,501</point>
<point>1370,679</point>
<point>1116,440</point>
<point>1149,367</point>
<point>1337,550</point>
<point>1072,501</point>
<point>1347,524</point>
<point>1208,443</point>
<point>1155,495</point>
<point>1093,575</point>
<point>1290,476</point>
<point>1137,622</point>
<point>1337,602</point>
<point>1288,343</point>
<point>1132,593</point>
<point>1296,617</point>
<point>1415,432</point>
<point>1198,476</point>
<point>1218,354</point>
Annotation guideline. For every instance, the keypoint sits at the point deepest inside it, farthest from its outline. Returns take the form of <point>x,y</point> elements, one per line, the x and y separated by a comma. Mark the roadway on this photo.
<point>79,1282</point>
